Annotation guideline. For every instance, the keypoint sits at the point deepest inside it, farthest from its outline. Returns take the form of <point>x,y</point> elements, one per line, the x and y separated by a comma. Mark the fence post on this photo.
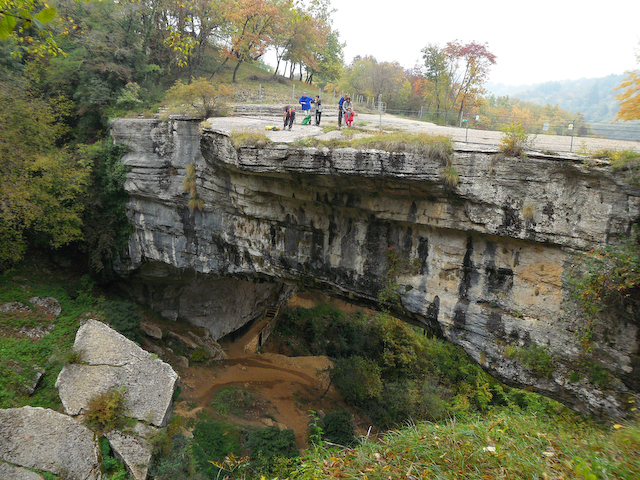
<point>572,126</point>
<point>260,97</point>
<point>466,133</point>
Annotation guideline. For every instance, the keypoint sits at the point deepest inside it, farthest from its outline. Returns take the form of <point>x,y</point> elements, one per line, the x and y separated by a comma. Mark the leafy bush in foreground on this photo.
<point>212,442</point>
<point>337,428</point>
<point>267,445</point>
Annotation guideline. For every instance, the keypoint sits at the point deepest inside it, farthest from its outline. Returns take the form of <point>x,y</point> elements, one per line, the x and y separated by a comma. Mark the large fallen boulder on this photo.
<point>110,360</point>
<point>43,439</point>
<point>133,449</point>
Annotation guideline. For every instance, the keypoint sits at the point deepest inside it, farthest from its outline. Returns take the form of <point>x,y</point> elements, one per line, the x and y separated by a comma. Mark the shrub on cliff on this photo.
<point>106,411</point>
<point>607,281</point>
<point>625,161</point>
<point>515,140</point>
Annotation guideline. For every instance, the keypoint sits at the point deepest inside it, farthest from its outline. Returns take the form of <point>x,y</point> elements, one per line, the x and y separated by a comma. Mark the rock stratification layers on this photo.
<point>483,264</point>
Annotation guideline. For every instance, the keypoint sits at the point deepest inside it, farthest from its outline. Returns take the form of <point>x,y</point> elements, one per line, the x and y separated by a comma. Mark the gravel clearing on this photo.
<point>461,136</point>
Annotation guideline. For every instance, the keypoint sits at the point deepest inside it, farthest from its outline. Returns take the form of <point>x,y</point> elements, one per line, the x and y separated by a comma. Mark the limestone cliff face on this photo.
<point>483,264</point>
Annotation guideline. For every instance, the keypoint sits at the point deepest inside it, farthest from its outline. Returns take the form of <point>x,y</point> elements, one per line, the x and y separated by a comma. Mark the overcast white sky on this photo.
<point>534,42</point>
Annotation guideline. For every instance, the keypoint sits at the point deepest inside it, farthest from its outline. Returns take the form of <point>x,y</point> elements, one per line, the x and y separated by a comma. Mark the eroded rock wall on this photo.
<point>483,264</point>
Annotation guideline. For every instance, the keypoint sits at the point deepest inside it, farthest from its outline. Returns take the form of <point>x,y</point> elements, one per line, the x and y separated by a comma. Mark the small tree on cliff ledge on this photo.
<point>515,140</point>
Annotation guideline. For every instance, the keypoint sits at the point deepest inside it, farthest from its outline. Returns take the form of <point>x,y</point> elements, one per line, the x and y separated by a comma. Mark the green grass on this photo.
<point>437,147</point>
<point>241,138</point>
<point>233,400</point>
<point>509,445</point>
<point>20,355</point>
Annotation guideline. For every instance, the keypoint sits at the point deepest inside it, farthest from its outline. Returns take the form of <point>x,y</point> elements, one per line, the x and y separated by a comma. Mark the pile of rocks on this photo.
<point>46,440</point>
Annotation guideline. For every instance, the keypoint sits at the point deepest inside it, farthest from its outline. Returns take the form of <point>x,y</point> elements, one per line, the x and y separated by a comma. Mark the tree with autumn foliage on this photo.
<point>250,28</point>
<point>469,66</point>
<point>368,76</point>
<point>199,97</point>
<point>436,83</point>
<point>629,97</point>
<point>40,185</point>
<point>303,38</point>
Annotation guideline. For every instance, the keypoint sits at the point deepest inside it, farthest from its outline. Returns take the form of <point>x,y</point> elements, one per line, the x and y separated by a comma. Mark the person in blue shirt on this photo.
<point>305,101</point>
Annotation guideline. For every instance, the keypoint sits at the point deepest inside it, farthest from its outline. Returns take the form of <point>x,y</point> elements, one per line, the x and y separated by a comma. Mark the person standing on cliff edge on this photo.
<point>340,112</point>
<point>318,104</point>
<point>305,101</point>
<point>288,115</point>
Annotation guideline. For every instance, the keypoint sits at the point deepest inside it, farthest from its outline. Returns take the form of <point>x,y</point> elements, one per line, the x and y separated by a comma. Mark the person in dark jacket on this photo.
<point>288,115</point>
<point>318,104</point>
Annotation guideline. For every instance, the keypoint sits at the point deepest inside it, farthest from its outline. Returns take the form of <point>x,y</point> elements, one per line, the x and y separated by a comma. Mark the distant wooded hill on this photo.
<point>592,97</point>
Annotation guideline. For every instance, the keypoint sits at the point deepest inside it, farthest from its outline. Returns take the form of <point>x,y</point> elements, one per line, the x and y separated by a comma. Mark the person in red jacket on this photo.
<point>348,117</point>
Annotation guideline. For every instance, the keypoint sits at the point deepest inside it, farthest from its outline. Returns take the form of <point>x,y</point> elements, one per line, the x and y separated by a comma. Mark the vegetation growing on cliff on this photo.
<point>199,97</point>
<point>625,161</point>
<point>437,147</point>
<point>515,140</point>
<point>243,138</point>
<point>607,281</point>
<point>190,185</point>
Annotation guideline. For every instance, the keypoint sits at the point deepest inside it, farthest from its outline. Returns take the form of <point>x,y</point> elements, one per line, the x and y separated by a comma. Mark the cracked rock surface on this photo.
<point>35,437</point>
<point>111,360</point>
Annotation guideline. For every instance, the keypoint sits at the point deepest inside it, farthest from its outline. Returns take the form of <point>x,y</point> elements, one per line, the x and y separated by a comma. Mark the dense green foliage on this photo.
<point>40,184</point>
<point>176,462</point>
<point>112,467</point>
<point>106,227</point>
<point>607,281</point>
<point>21,355</point>
<point>212,442</point>
<point>393,372</point>
<point>124,317</point>
<point>267,445</point>
<point>337,428</point>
